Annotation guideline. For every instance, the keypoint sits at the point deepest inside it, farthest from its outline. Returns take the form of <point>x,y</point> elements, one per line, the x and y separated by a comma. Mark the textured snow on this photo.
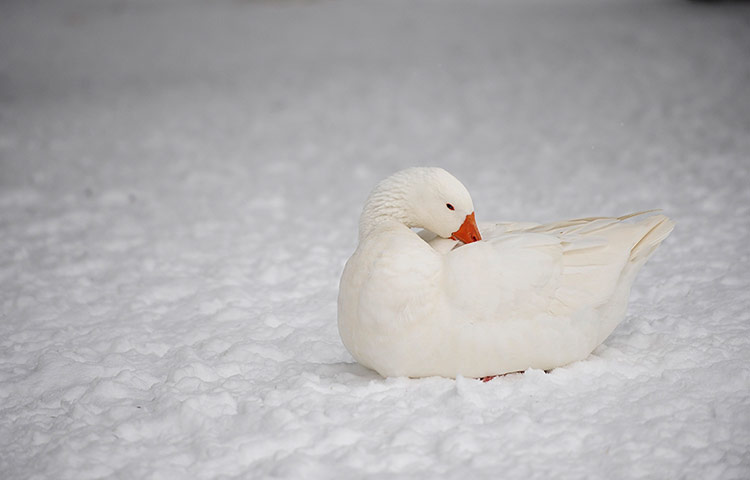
<point>180,184</point>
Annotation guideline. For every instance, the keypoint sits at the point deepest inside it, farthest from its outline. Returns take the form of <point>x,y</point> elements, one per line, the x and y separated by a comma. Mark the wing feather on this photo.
<point>564,266</point>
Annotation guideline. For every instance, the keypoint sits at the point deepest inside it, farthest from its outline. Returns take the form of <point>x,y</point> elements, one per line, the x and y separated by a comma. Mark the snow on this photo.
<point>180,184</point>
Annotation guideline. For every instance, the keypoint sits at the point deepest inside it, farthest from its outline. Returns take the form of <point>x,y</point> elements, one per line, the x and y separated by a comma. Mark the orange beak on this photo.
<point>468,232</point>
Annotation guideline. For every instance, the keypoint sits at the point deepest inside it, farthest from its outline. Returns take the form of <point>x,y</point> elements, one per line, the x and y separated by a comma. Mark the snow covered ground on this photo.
<point>180,184</point>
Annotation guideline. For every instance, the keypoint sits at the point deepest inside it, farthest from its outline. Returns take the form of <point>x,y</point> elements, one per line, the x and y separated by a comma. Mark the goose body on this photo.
<point>514,296</point>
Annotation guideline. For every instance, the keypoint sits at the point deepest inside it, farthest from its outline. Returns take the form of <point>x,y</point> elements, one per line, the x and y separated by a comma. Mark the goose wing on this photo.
<point>523,270</point>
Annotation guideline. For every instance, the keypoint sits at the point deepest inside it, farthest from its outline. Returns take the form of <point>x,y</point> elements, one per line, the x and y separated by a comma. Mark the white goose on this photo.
<point>451,300</point>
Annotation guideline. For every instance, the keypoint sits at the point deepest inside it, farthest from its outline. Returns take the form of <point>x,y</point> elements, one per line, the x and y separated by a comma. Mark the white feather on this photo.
<point>526,296</point>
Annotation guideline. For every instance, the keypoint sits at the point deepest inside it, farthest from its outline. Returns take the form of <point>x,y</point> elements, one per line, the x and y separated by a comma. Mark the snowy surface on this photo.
<point>180,184</point>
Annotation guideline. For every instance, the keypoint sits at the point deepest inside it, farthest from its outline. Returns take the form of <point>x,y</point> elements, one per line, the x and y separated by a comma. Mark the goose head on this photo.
<point>423,197</point>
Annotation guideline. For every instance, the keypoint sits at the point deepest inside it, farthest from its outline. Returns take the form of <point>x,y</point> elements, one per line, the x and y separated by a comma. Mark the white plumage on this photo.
<point>525,296</point>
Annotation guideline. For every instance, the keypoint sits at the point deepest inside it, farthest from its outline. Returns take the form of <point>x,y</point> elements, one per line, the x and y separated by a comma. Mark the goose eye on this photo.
<point>450,207</point>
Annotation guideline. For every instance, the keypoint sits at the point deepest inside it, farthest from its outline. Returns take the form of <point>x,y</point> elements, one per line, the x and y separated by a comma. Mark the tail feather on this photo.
<point>660,229</point>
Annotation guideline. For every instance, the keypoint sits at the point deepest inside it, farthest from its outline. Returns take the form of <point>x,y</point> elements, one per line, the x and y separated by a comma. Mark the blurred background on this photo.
<point>183,177</point>
<point>542,108</point>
